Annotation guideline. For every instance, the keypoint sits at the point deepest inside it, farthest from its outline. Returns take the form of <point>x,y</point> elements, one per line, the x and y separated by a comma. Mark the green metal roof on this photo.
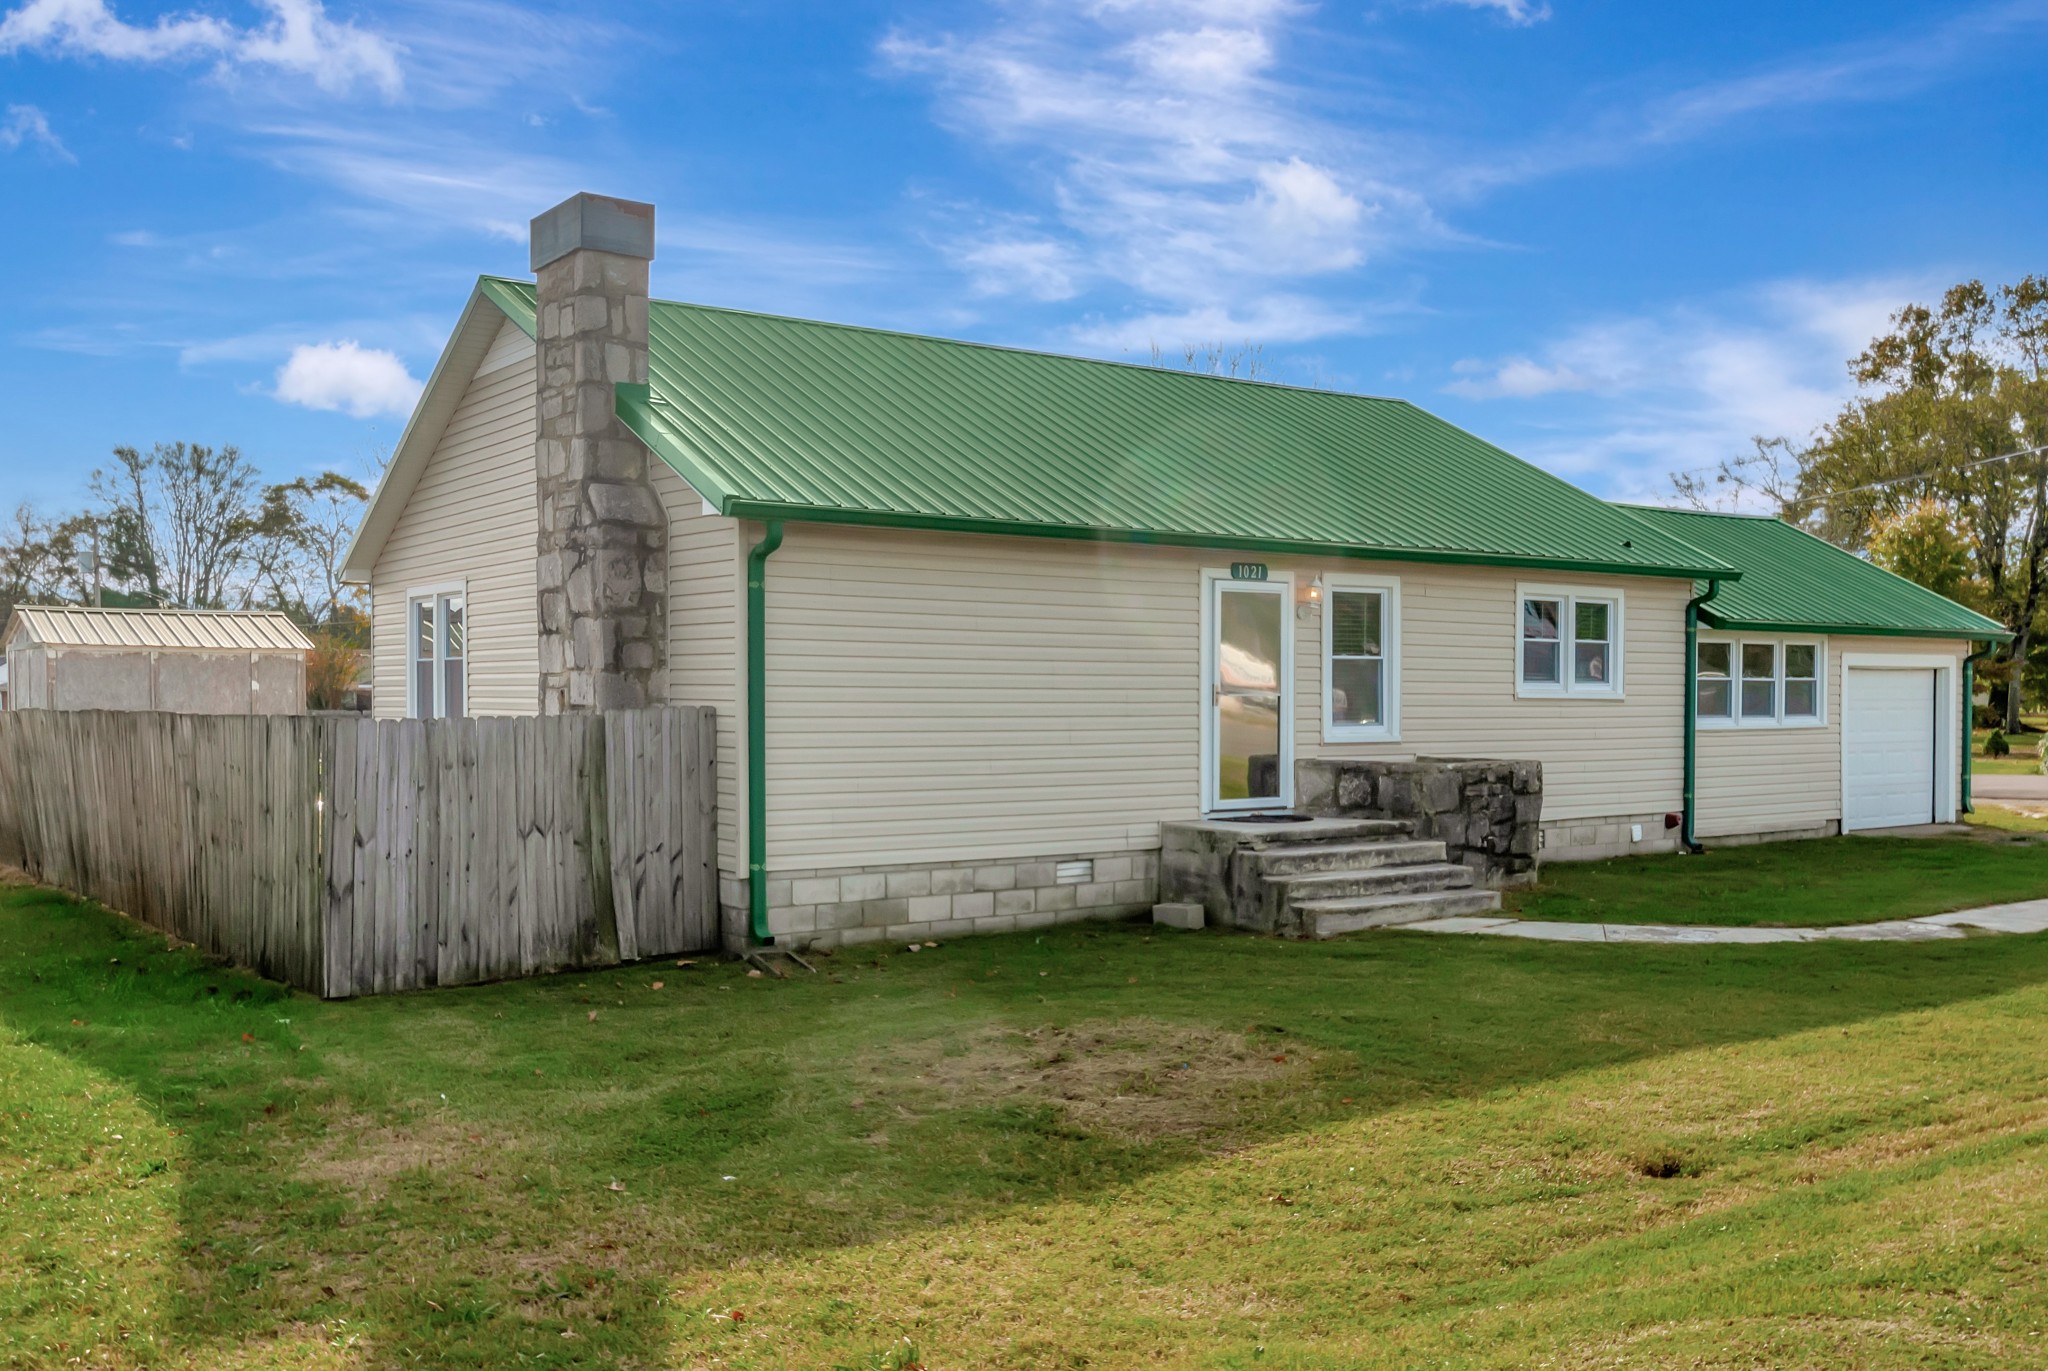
<point>1793,582</point>
<point>770,417</point>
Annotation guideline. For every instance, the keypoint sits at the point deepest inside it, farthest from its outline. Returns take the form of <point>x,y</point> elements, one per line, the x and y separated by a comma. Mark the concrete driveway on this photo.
<point>2010,788</point>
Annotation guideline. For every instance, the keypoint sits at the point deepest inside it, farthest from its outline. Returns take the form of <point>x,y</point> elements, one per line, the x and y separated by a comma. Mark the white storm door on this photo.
<point>1248,759</point>
<point>1888,748</point>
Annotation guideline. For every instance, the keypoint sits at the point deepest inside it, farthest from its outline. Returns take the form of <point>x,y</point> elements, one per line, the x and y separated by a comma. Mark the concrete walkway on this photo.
<point>2028,916</point>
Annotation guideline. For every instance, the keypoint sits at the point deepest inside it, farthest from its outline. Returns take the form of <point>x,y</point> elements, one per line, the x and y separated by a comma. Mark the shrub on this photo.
<point>1996,745</point>
<point>331,671</point>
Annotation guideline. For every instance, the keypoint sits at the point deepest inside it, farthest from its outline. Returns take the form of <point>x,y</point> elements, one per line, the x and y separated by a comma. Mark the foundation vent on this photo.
<point>1074,873</point>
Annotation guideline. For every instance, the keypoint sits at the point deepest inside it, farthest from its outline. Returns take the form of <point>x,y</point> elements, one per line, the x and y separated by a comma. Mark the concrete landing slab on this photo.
<point>2027,916</point>
<point>1551,932</point>
<point>1892,930</point>
<point>1697,933</point>
<point>1462,923</point>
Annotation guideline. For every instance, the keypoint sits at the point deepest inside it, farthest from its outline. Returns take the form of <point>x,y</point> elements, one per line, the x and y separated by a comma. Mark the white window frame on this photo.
<point>1206,783</point>
<point>1388,729</point>
<point>1777,718</point>
<point>413,595</point>
<point>1566,687</point>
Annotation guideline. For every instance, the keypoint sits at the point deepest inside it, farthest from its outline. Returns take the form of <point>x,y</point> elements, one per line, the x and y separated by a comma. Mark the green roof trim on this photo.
<point>1794,582</point>
<point>513,297</point>
<point>775,418</point>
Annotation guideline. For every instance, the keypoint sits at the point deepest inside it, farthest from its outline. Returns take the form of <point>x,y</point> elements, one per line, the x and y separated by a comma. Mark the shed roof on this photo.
<point>1795,582</point>
<point>769,417</point>
<point>210,630</point>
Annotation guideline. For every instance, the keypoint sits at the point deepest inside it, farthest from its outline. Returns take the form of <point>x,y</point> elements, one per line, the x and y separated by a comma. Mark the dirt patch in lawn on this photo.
<point>360,1154</point>
<point>1133,1079</point>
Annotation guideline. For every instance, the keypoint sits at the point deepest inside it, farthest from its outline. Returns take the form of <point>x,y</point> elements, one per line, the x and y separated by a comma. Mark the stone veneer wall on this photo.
<point>841,906</point>
<point>1487,814</point>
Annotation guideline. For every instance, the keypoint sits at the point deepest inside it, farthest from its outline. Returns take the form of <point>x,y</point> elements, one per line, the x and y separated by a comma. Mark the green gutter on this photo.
<point>1972,632</point>
<point>1970,718</point>
<point>757,729</point>
<point>944,523</point>
<point>1686,835</point>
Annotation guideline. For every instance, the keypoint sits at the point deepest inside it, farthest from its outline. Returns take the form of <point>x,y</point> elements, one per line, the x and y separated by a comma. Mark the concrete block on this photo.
<point>952,880</point>
<point>1092,893</point>
<point>1133,892</point>
<point>1110,870</point>
<point>848,914</point>
<point>815,890</point>
<point>852,937</point>
<point>1016,901</point>
<point>885,911</point>
<point>923,908</point>
<point>867,886</point>
<point>1053,898</point>
<point>1033,874</point>
<point>1044,918</point>
<point>995,878</point>
<point>976,904</point>
<point>996,923</point>
<point>1178,915</point>
<point>902,884</point>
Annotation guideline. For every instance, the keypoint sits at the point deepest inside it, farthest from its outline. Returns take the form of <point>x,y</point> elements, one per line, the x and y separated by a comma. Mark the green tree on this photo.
<point>1950,424</point>
<point>1923,545</point>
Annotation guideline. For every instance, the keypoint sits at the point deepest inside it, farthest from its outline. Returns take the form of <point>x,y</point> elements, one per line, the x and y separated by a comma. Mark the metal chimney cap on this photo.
<point>598,222</point>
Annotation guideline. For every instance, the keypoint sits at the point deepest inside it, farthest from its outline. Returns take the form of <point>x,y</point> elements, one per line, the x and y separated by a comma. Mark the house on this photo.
<point>1829,692</point>
<point>977,621</point>
<point>186,661</point>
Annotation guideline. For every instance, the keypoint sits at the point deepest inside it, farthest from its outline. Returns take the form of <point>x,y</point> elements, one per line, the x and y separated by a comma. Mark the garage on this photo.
<point>1889,751</point>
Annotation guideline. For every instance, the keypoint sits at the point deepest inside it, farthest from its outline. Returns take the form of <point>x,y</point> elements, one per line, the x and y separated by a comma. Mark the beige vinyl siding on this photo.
<point>472,519</point>
<point>1776,780</point>
<point>941,698</point>
<point>1460,643</point>
<point>706,569</point>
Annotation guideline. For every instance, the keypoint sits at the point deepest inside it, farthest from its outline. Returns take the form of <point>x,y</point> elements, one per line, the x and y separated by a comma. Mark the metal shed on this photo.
<point>185,661</point>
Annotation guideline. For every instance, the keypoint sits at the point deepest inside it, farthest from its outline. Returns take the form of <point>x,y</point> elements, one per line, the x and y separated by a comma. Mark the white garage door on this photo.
<point>1888,748</point>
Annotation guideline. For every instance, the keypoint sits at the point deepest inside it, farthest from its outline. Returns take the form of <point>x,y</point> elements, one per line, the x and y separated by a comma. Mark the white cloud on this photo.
<point>297,38</point>
<point>25,125</point>
<point>1630,399</point>
<point>365,382</point>
<point>1517,12</point>
<point>1181,158</point>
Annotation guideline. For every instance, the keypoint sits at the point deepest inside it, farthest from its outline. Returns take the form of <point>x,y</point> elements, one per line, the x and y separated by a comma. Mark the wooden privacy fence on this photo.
<point>358,856</point>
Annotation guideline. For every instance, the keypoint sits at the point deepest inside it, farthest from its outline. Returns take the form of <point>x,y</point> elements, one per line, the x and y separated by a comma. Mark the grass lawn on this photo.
<point>2024,760</point>
<point>1099,1147</point>
<point>2006,819</point>
<point>1803,884</point>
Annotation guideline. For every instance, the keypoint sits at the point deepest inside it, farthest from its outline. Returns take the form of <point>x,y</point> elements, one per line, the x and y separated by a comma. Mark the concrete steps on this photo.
<point>1316,879</point>
<point>1298,859</point>
<point>1331,918</point>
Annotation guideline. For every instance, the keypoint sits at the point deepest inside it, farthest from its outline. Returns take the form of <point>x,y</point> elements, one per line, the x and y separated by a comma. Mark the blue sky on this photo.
<point>1617,238</point>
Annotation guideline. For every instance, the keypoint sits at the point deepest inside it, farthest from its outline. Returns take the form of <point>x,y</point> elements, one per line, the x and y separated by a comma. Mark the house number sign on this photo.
<point>1247,571</point>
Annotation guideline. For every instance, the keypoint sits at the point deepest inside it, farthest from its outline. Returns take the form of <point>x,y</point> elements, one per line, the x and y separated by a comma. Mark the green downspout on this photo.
<point>1970,717</point>
<point>1686,837</point>
<point>757,728</point>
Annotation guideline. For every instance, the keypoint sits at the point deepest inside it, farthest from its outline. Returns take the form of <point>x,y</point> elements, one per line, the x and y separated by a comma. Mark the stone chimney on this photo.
<point>603,536</point>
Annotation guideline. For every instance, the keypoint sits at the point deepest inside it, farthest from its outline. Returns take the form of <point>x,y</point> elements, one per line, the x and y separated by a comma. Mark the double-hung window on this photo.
<point>437,649</point>
<point>1361,681</point>
<point>1569,643</point>
<point>1758,682</point>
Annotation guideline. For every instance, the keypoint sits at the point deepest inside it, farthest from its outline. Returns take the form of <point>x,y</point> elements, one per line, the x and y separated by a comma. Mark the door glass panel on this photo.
<point>1248,636</point>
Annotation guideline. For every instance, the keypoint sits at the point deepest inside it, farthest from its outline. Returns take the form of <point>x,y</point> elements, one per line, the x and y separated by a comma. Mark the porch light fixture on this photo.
<point>1312,593</point>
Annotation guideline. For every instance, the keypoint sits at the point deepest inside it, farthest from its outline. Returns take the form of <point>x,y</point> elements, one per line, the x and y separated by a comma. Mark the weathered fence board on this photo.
<point>354,857</point>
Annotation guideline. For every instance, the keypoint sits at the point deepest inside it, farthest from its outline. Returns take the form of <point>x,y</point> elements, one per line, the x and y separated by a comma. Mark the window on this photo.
<point>1716,700</point>
<point>1802,681</point>
<point>1569,644</point>
<point>1359,659</point>
<point>1758,682</point>
<point>437,637</point>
